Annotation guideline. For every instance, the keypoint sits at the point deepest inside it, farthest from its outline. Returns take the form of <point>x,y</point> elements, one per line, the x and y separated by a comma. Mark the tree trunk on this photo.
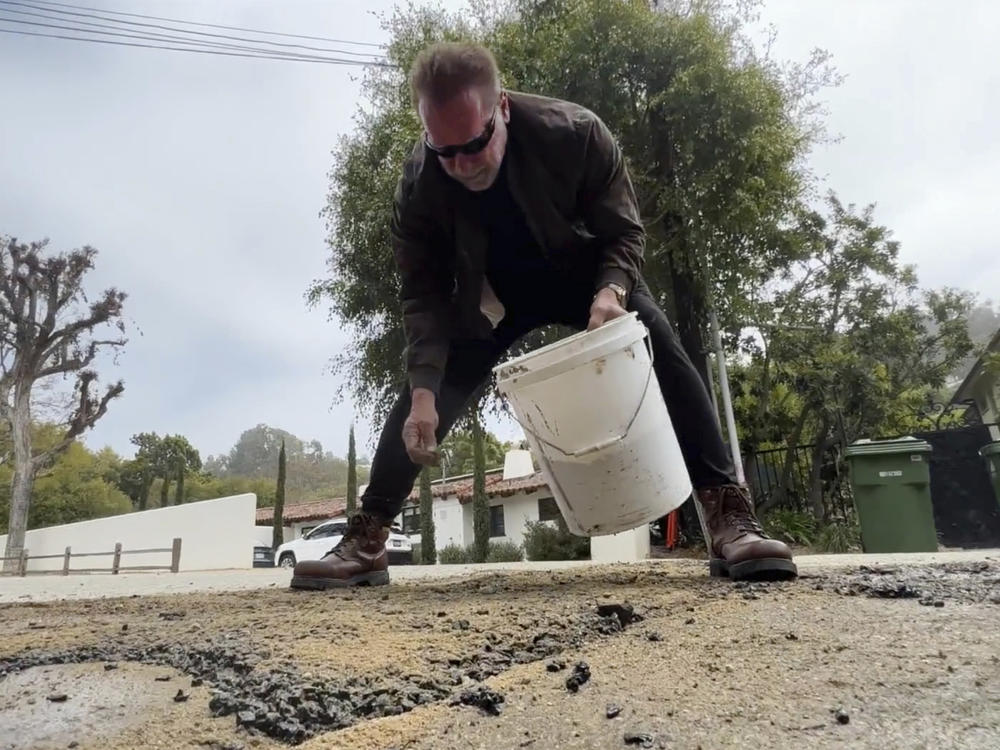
<point>692,312</point>
<point>352,474</point>
<point>147,485</point>
<point>428,545</point>
<point>815,481</point>
<point>179,492</point>
<point>781,492</point>
<point>480,503</point>
<point>763,402</point>
<point>278,524</point>
<point>21,482</point>
<point>165,493</point>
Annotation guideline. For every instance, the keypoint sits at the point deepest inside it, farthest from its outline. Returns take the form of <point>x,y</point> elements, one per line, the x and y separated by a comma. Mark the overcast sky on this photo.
<point>200,180</point>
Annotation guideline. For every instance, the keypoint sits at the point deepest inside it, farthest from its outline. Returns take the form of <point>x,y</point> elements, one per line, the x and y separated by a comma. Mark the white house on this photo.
<point>517,494</point>
<point>981,387</point>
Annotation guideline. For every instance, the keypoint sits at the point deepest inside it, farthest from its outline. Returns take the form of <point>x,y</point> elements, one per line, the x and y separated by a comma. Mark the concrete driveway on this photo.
<point>861,652</point>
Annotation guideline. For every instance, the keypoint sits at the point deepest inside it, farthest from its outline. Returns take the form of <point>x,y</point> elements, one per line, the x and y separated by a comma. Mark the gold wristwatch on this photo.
<point>619,291</point>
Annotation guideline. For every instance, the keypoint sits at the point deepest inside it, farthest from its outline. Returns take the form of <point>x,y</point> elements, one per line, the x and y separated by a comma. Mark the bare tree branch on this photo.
<point>47,330</point>
<point>88,411</point>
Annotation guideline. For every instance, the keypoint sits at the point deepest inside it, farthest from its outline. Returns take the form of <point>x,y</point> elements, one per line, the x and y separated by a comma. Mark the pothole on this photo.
<point>280,702</point>
<point>57,705</point>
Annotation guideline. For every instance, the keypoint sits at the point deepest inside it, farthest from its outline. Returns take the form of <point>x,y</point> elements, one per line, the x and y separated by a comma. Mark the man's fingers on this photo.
<point>428,443</point>
<point>421,443</point>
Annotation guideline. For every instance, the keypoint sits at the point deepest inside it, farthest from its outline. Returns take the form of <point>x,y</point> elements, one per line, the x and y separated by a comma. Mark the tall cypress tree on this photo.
<point>277,537</point>
<point>480,503</point>
<point>352,473</point>
<point>428,547</point>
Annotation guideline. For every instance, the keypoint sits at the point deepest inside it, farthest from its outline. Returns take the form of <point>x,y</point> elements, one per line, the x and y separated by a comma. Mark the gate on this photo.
<point>966,511</point>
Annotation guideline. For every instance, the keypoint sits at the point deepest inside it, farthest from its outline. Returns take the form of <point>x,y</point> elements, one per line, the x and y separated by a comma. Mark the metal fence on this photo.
<point>21,569</point>
<point>781,478</point>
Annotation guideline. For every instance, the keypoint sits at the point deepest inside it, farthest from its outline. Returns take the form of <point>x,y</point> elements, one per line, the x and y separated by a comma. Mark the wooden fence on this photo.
<point>116,562</point>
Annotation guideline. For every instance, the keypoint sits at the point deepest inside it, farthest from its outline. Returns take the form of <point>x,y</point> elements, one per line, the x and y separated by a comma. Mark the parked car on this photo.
<point>263,555</point>
<point>320,540</point>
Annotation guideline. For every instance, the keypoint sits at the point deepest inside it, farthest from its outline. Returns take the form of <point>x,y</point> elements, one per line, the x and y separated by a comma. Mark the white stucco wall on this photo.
<point>518,510</point>
<point>264,534</point>
<point>215,534</point>
<point>448,523</point>
<point>626,546</point>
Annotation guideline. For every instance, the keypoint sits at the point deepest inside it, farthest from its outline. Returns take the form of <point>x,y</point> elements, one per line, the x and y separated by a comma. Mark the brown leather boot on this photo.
<point>739,548</point>
<point>359,559</point>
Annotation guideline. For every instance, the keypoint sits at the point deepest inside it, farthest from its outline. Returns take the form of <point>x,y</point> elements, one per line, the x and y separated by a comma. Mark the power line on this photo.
<point>193,49</point>
<point>211,25</point>
<point>117,22</point>
<point>156,37</point>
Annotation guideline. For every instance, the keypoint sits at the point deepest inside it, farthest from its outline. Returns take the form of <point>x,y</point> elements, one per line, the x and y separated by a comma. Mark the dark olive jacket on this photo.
<point>567,174</point>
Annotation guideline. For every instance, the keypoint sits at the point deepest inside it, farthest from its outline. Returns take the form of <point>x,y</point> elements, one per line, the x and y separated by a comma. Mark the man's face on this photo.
<point>465,121</point>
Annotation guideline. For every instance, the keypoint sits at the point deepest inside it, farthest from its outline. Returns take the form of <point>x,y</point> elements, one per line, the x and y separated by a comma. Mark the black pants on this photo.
<point>470,363</point>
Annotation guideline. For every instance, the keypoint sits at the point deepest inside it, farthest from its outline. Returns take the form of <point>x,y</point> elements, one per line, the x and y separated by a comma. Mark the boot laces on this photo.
<point>358,527</point>
<point>738,512</point>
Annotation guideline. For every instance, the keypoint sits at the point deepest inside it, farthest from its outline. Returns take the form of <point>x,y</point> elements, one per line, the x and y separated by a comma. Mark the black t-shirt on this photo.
<point>516,265</point>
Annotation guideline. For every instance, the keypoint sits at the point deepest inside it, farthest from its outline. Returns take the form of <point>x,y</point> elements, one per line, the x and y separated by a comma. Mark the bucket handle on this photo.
<point>609,441</point>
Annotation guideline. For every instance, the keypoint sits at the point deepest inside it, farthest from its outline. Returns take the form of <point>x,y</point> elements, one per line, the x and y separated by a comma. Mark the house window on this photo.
<point>411,520</point>
<point>496,521</point>
<point>548,510</point>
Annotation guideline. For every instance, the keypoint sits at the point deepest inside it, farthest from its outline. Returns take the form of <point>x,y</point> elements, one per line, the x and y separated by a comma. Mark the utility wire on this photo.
<point>210,25</point>
<point>193,49</point>
<point>153,36</point>
<point>45,10</point>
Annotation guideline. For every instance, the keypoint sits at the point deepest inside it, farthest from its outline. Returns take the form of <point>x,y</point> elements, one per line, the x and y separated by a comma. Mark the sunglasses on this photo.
<point>469,148</point>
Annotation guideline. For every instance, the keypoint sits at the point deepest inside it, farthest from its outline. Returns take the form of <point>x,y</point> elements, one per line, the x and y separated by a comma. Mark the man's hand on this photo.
<point>604,308</point>
<point>420,427</point>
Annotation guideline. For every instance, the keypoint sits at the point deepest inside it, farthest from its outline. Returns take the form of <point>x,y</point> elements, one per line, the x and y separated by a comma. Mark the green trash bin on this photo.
<point>891,480</point>
<point>991,452</point>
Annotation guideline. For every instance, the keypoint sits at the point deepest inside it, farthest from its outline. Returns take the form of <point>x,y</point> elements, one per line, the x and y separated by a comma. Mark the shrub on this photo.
<point>791,526</point>
<point>839,536</point>
<point>543,541</point>
<point>453,555</point>
<point>505,552</point>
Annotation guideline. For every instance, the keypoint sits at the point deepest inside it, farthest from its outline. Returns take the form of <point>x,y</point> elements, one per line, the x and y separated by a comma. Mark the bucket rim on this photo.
<point>517,366</point>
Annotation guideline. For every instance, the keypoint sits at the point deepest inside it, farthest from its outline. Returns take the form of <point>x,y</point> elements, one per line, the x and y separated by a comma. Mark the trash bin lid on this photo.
<point>868,447</point>
<point>990,449</point>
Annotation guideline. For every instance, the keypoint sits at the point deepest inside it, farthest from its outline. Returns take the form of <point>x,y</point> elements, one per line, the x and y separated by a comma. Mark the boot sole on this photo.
<point>375,578</point>
<point>765,569</point>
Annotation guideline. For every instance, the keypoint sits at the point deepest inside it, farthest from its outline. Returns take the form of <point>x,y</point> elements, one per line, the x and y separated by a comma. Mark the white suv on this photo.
<point>323,538</point>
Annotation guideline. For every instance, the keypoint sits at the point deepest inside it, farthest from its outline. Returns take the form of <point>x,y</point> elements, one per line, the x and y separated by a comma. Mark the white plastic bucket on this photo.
<point>594,416</point>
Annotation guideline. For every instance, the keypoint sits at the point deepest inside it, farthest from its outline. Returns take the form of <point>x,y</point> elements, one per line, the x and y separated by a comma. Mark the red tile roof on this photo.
<point>318,510</point>
<point>496,486</point>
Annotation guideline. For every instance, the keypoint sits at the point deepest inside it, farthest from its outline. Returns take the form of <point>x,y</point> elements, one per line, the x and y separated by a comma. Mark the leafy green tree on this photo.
<point>713,133</point>
<point>352,473</point>
<point>984,322</point>
<point>73,489</point>
<point>428,545</point>
<point>278,537</point>
<point>143,469</point>
<point>202,486</point>
<point>313,473</point>
<point>177,458</point>
<point>458,454</point>
<point>849,345</point>
<point>49,328</point>
<point>256,452</point>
